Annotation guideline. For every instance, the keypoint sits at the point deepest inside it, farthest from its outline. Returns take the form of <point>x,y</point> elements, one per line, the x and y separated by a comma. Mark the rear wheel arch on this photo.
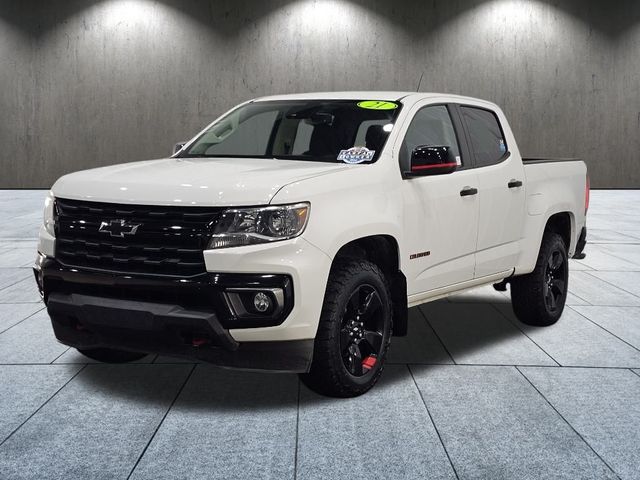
<point>561,223</point>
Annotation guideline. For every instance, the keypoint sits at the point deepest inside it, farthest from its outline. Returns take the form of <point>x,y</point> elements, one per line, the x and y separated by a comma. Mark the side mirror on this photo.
<point>431,160</point>
<point>178,146</point>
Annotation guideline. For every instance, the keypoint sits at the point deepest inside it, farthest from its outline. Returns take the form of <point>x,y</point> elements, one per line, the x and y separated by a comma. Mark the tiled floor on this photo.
<point>470,393</point>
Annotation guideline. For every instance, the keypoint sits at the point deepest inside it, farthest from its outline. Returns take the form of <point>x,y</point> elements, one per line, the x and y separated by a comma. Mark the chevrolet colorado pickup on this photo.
<point>294,232</point>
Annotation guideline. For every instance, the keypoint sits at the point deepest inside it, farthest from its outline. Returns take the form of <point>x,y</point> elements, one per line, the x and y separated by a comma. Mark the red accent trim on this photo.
<point>369,362</point>
<point>586,195</point>
<point>439,165</point>
<point>198,342</point>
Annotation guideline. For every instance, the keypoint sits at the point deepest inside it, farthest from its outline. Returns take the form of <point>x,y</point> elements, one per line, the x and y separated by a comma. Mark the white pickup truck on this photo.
<point>293,233</point>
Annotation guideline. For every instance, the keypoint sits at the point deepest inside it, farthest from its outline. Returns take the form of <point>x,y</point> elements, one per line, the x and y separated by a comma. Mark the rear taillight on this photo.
<point>586,195</point>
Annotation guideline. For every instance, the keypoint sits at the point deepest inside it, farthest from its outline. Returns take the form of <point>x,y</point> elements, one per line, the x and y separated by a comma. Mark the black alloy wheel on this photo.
<point>538,297</point>
<point>555,284</point>
<point>354,332</point>
<point>362,330</point>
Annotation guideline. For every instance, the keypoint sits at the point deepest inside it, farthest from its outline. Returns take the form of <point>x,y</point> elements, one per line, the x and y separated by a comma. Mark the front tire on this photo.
<point>111,355</point>
<point>538,298</point>
<point>354,331</point>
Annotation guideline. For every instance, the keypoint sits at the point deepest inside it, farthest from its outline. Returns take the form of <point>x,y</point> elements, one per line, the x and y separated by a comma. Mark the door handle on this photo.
<point>513,183</point>
<point>468,191</point>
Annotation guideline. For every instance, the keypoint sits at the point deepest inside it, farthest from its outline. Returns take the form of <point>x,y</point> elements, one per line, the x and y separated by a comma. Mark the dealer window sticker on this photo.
<point>356,155</point>
<point>377,105</point>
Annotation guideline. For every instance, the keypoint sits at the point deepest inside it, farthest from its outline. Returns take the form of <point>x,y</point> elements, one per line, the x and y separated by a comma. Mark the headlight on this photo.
<point>248,226</point>
<point>49,220</point>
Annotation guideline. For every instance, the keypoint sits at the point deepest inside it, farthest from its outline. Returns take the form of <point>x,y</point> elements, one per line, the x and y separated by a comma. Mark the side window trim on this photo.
<point>468,158</point>
<point>465,153</point>
<point>507,153</point>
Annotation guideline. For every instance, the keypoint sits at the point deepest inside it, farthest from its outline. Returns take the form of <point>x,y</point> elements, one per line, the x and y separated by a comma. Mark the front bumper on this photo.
<point>185,317</point>
<point>87,322</point>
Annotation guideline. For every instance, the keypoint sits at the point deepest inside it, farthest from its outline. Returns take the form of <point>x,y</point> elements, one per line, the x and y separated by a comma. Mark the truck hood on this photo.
<point>190,181</point>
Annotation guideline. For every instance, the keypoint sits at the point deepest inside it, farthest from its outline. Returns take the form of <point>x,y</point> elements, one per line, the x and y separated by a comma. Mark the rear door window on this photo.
<point>486,136</point>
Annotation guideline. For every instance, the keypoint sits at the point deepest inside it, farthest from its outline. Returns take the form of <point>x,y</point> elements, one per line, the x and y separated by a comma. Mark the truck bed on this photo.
<point>560,182</point>
<point>531,160</point>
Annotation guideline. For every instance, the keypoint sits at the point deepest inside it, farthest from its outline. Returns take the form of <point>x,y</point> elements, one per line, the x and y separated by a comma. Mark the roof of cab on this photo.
<point>368,95</point>
<point>355,95</point>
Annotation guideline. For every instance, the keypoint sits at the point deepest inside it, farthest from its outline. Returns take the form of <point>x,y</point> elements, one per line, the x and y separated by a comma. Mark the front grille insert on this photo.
<point>154,240</point>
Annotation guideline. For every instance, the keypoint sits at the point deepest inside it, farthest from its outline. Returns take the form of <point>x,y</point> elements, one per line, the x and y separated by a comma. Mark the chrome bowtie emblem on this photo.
<point>119,228</point>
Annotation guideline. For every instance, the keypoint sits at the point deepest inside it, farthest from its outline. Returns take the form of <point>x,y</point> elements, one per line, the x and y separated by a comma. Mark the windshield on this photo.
<point>350,131</point>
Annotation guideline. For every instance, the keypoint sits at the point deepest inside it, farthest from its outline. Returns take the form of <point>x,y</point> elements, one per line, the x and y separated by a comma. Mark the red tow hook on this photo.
<point>198,342</point>
<point>369,362</point>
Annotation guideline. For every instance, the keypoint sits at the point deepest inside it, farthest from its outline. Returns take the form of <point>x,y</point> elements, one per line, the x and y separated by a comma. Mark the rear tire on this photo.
<point>354,331</point>
<point>538,298</point>
<point>110,355</point>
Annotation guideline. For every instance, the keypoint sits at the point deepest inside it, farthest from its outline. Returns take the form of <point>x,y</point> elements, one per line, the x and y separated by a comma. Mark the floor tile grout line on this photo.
<point>155,432</point>
<point>624,307</point>
<point>628,233</point>
<point>524,365</point>
<point>42,406</point>
<point>605,305</point>
<point>34,303</point>
<point>24,319</point>
<point>620,257</point>
<point>295,455</point>
<point>54,360</point>
<point>508,302</point>
<point>567,422</point>
<point>436,334</point>
<point>592,270</point>
<point>601,327</point>
<point>525,334</point>
<point>578,296</point>
<point>46,364</point>
<point>453,467</point>
<point>19,281</point>
<point>609,283</point>
<point>28,279</point>
<point>591,242</point>
<point>635,371</point>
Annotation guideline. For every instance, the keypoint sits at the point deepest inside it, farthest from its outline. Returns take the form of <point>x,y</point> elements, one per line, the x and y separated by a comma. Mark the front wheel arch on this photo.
<point>383,251</point>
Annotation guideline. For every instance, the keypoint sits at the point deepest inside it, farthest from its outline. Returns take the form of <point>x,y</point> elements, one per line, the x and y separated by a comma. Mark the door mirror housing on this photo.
<point>178,146</point>
<point>431,160</point>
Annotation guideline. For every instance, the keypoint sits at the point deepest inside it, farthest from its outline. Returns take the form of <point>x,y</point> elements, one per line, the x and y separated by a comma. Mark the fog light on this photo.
<point>247,302</point>
<point>261,302</point>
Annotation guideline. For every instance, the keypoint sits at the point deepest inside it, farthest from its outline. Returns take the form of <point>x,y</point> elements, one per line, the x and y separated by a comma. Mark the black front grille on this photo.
<point>166,241</point>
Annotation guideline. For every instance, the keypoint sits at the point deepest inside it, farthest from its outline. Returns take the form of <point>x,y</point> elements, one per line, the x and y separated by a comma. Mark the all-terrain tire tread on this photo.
<point>325,376</point>
<point>527,298</point>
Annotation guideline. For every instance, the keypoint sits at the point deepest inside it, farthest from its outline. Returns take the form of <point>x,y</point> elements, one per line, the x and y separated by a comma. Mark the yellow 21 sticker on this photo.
<point>378,105</point>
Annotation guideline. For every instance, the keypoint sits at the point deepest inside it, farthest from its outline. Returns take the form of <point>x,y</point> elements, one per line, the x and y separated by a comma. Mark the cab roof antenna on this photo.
<point>420,81</point>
